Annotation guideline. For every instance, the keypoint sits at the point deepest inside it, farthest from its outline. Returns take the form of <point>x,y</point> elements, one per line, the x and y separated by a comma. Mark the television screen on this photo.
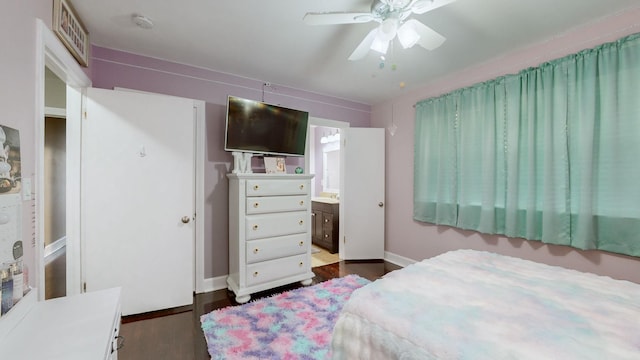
<point>255,127</point>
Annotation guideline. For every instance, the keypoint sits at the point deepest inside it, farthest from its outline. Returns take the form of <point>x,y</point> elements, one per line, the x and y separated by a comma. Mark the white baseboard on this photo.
<point>55,246</point>
<point>212,284</point>
<point>397,259</point>
<point>220,282</point>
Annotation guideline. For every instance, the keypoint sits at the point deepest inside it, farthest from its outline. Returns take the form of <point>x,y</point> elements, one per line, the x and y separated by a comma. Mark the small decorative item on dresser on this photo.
<point>69,28</point>
<point>274,165</point>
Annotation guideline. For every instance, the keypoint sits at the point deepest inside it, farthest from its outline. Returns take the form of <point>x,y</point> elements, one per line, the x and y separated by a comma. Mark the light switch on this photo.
<point>26,189</point>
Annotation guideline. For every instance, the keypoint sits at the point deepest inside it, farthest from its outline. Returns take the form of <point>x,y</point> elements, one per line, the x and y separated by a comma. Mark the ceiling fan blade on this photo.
<point>362,49</point>
<point>429,39</point>
<point>422,6</point>
<point>331,18</point>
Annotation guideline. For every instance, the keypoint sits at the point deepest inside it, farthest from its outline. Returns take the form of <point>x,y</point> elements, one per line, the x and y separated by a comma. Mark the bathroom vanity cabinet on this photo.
<point>326,220</point>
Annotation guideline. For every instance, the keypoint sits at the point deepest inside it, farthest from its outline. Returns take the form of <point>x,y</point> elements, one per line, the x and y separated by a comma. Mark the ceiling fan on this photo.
<point>393,17</point>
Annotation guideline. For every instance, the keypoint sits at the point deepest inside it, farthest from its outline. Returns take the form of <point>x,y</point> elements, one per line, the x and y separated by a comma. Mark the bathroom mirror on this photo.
<point>331,168</point>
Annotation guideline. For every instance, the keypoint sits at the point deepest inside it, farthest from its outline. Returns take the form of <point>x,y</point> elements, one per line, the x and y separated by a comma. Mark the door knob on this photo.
<point>185,219</point>
<point>380,204</point>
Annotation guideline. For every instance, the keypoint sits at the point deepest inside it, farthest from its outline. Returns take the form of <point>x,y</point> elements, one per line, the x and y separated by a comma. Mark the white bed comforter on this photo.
<point>469,304</point>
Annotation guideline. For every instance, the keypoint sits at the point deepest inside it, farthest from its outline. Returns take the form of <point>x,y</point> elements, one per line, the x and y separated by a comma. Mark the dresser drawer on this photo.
<point>280,187</point>
<point>268,204</point>
<point>276,269</point>
<point>274,248</point>
<point>270,225</point>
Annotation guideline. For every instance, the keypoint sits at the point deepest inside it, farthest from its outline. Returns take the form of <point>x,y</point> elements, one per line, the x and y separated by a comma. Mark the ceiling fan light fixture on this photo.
<point>393,17</point>
<point>398,4</point>
<point>388,29</point>
<point>380,45</point>
<point>407,35</point>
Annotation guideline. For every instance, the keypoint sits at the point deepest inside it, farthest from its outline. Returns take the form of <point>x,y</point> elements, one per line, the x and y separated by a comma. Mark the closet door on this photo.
<point>138,198</point>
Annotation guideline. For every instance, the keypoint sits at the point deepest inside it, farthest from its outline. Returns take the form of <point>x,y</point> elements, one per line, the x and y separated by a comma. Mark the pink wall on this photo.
<point>111,68</point>
<point>416,240</point>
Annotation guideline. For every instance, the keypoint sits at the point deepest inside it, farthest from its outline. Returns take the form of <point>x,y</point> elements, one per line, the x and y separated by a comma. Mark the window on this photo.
<point>550,154</point>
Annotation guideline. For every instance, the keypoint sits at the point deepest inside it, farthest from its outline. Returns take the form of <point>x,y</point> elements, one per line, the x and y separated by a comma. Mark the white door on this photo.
<point>138,198</point>
<point>362,196</point>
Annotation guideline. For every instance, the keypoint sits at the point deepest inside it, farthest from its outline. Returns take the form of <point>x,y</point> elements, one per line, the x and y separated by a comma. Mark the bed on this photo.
<point>468,304</point>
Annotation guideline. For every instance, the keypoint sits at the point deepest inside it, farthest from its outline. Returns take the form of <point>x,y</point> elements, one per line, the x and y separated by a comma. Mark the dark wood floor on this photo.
<point>176,333</point>
<point>55,275</point>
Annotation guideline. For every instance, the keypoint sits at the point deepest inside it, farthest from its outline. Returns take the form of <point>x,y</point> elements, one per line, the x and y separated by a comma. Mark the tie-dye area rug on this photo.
<point>296,324</point>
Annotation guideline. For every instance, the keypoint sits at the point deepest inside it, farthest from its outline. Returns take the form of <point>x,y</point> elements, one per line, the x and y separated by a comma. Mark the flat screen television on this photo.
<point>259,128</point>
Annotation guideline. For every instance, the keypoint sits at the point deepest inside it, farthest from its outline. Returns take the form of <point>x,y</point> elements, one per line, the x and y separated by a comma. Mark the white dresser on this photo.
<point>269,232</point>
<point>78,327</point>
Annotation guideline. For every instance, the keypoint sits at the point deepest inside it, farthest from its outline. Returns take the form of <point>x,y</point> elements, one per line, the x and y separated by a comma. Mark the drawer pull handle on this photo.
<point>326,235</point>
<point>300,222</point>
<point>326,220</point>
<point>255,187</point>
<point>255,227</point>
<point>255,251</point>
<point>301,263</point>
<point>255,205</point>
<point>255,274</point>
<point>301,243</point>
<point>301,202</point>
<point>313,214</point>
<point>302,187</point>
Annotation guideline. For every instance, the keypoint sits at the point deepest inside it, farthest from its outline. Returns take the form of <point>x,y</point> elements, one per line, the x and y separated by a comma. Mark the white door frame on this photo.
<point>51,53</point>
<point>199,255</point>
<point>314,121</point>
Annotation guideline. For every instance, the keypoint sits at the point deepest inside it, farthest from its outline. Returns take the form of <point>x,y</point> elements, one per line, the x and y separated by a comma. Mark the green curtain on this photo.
<point>550,154</point>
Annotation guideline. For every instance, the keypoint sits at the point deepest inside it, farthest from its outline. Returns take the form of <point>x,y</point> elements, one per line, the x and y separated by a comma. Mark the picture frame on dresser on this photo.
<point>274,165</point>
<point>71,31</point>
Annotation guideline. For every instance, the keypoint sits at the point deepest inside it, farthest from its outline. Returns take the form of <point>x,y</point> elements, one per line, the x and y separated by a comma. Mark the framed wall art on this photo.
<point>69,28</point>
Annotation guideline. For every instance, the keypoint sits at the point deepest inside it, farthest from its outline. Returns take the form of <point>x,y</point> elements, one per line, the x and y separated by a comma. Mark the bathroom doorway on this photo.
<point>361,189</point>
<point>323,160</point>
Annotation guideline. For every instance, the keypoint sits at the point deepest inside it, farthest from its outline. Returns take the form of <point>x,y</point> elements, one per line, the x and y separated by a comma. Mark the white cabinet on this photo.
<point>269,232</point>
<point>82,327</point>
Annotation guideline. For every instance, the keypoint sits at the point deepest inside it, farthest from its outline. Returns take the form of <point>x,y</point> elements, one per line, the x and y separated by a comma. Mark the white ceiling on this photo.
<point>268,41</point>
